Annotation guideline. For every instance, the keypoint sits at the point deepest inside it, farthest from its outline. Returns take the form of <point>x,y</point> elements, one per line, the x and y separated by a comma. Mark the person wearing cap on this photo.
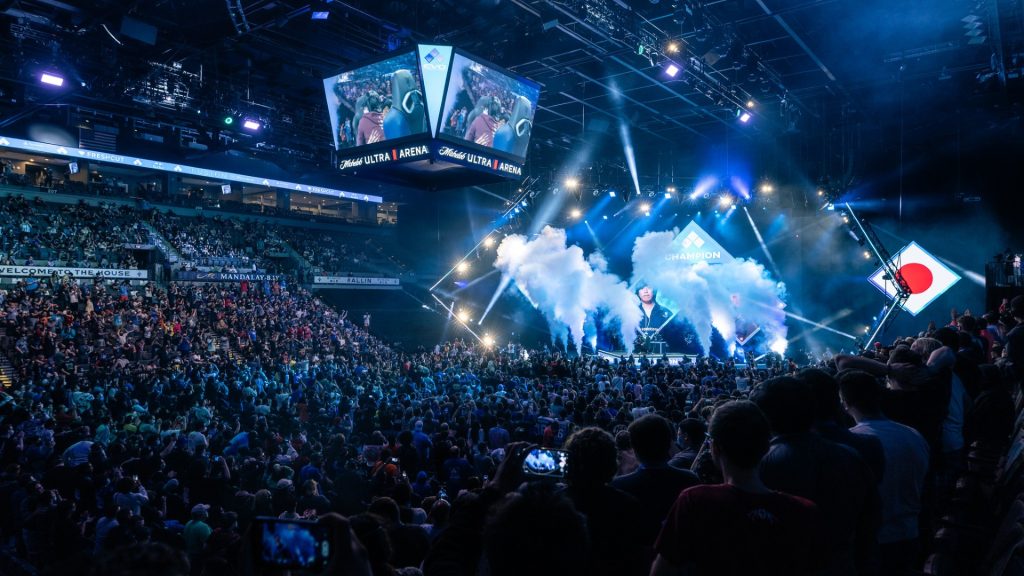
<point>197,531</point>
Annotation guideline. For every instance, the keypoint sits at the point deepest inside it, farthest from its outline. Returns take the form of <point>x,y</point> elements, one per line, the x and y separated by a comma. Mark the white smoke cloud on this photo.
<point>570,290</point>
<point>710,294</point>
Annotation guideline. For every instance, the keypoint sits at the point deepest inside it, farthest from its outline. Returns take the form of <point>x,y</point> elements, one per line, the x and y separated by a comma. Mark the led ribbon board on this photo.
<point>71,152</point>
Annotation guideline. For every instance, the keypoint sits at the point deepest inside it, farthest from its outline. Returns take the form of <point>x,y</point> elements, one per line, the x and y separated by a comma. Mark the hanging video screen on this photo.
<point>489,108</point>
<point>375,103</point>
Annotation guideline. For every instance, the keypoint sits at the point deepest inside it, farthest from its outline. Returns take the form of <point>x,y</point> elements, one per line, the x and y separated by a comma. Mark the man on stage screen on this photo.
<point>655,318</point>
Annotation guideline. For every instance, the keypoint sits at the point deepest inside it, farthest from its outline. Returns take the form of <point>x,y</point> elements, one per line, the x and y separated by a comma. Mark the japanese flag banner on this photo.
<point>926,276</point>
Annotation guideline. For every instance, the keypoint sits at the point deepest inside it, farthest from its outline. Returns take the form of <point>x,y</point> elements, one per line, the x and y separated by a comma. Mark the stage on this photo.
<point>674,359</point>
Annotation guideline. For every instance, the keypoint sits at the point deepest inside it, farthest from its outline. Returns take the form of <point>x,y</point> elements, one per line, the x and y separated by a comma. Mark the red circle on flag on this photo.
<point>918,277</point>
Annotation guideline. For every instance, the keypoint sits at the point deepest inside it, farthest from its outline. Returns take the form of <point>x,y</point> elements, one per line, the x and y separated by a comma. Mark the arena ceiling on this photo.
<point>812,69</point>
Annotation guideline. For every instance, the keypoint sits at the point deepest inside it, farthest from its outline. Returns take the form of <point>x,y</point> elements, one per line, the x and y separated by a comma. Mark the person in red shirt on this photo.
<point>740,527</point>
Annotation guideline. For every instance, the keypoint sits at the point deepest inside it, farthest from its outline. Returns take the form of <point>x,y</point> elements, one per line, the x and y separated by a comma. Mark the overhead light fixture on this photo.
<point>645,207</point>
<point>576,213</point>
<point>250,124</point>
<point>611,193</point>
<point>750,103</point>
<point>671,70</point>
<point>51,79</point>
<point>319,15</point>
<point>671,188</point>
<point>743,115</point>
<point>672,47</point>
<point>489,241</point>
<point>767,187</point>
<point>572,182</point>
<point>668,195</point>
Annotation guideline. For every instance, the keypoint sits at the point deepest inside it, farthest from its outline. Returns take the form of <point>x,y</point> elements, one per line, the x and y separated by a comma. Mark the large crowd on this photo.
<point>150,427</point>
<point>40,234</point>
<point>223,243</point>
<point>334,254</point>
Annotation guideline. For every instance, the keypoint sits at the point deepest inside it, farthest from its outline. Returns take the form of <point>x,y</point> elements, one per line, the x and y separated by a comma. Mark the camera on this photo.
<point>292,544</point>
<point>546,463</point>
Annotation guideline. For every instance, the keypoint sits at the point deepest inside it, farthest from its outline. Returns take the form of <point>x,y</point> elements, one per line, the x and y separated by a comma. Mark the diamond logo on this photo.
<point>693,244</point>
<point>693,240</point>
<point>431,56</point>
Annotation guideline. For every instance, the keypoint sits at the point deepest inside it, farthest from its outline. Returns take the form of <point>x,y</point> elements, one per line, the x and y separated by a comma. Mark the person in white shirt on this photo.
<point>906,464</point>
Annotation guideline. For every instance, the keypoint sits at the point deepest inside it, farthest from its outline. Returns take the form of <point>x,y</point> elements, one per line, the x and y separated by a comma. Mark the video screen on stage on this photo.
<point>488,108</point>
<point>378,102</point>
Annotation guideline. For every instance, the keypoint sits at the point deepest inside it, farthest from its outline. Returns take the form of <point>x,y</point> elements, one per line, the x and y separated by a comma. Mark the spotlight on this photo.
<point>319,15</point>
<point>867,255</point>
<point>672,47</point>
<point>488,340</point>
<point>250,124</point>
<point>645,207</point>
<point>572,182</point>
<point>229,120</point>
<point>668,195</point>
<point>750,103</point>
<point>846,219</point>
<point>821,192</point>
<point>462,267</point>
<point>605,217</point>
<point>51,79</point>
<point>671,70</point>
<point>744,117</point>
<point>576,213</point>
<point>647,212</point>
<point>611,193</point>
<point>489,241</point>
<point>725,201</point>
<point>463,316</point>
<point>671,188</point>
<point>767,188</point>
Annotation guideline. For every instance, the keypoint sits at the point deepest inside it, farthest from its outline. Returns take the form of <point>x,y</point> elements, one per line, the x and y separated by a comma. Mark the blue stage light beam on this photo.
<point>740,187</point>
<point>452,314</point>
<point>810,322</point>
<point>627,151</point>
<point>824,323</point>
<point>593,236</point>
<point>764,247</point>
<point>704,186</point>
<point>505,281</point>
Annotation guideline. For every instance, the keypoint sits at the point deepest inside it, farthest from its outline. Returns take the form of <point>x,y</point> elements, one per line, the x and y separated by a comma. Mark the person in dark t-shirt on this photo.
<point>741,526</point>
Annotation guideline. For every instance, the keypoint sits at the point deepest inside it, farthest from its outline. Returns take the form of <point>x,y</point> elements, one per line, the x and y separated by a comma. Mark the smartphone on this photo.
<point>293,544</point>
<point>546,463</point>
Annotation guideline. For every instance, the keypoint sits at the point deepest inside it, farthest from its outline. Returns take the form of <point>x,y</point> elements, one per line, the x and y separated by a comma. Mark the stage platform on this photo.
<point>673,359</point>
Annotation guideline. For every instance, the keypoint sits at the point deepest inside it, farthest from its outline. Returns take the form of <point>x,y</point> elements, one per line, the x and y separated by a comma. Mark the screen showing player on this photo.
<point>489,108</point>
<point>378,102</point>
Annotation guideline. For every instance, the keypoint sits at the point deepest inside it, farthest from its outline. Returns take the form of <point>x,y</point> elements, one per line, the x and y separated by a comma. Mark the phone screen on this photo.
<point>546,463</point>
<point>293,544</point>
